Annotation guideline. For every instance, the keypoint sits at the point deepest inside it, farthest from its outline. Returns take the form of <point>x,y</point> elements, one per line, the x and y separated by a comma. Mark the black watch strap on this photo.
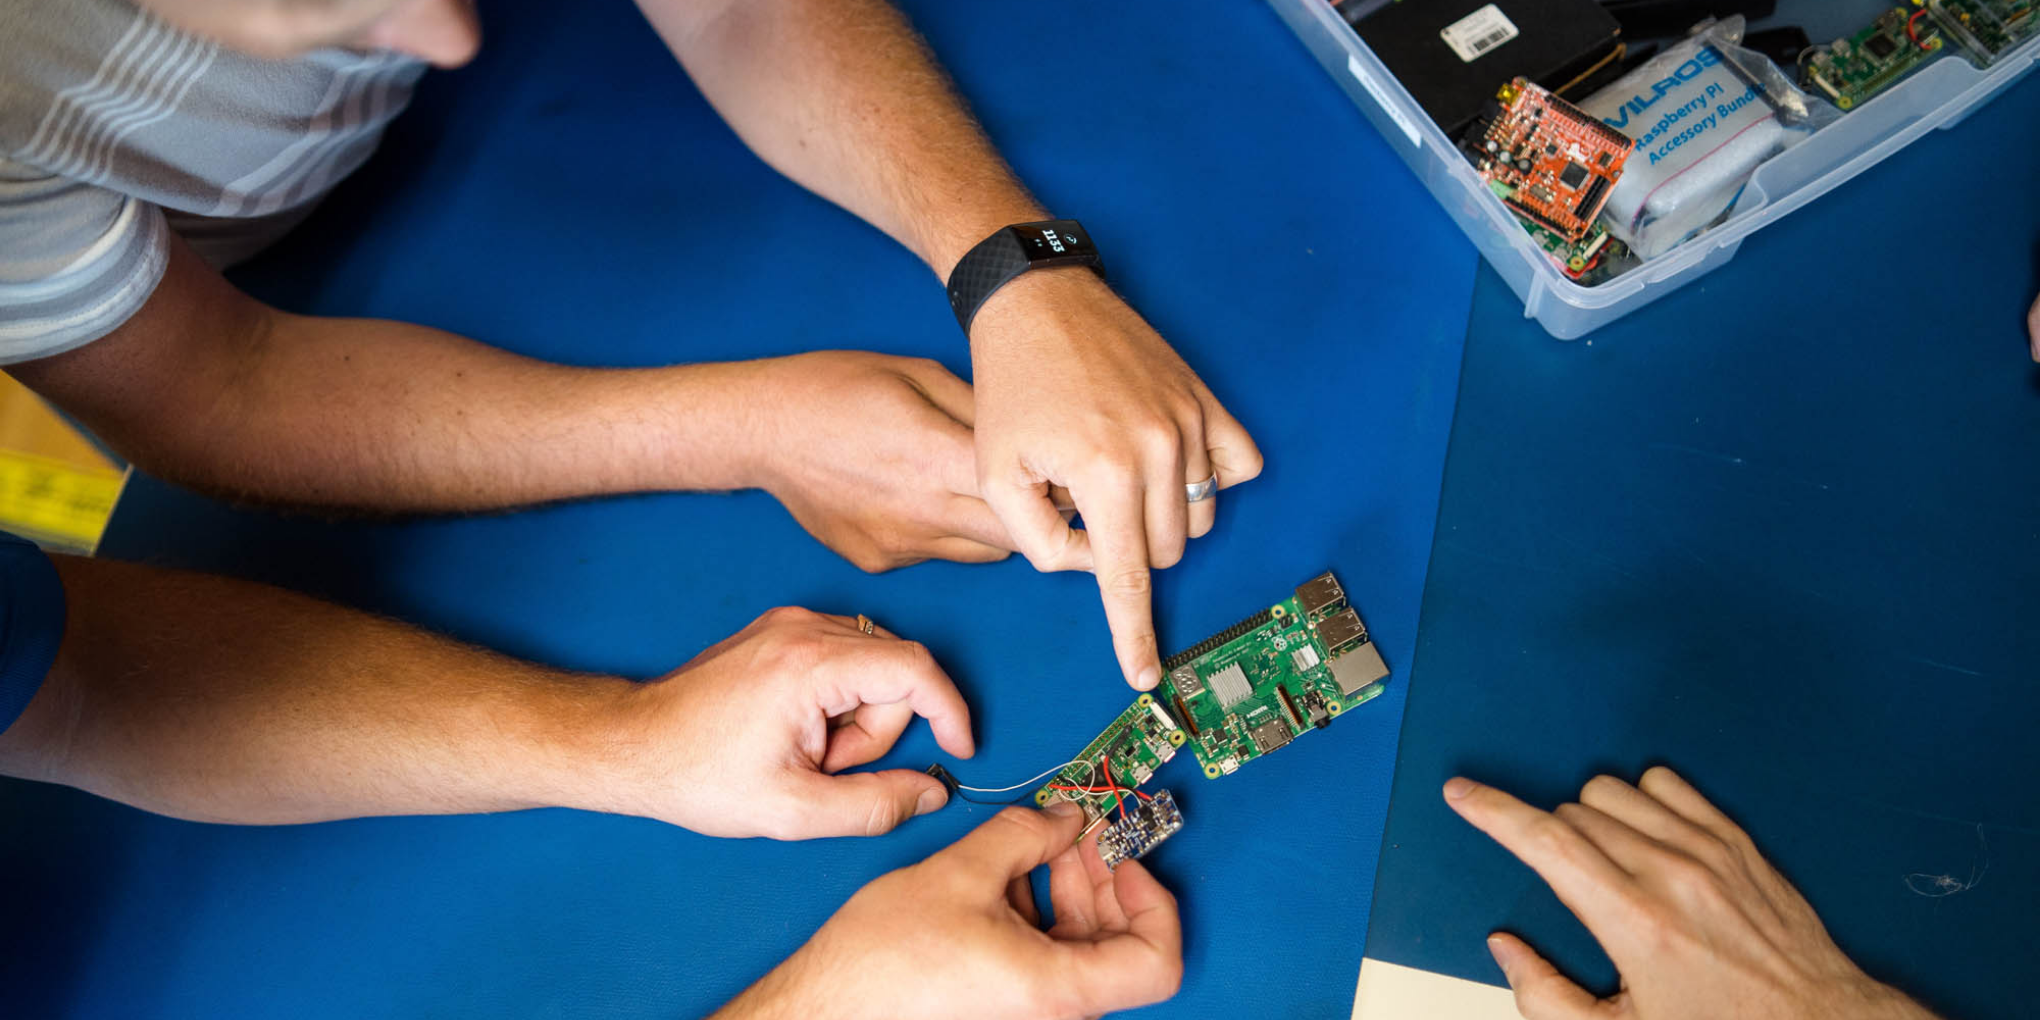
<point>1014,250</point>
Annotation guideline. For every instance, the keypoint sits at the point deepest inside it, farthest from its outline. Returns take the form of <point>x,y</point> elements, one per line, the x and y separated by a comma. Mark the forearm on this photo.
<point>779,995</point>
<point>211,389</point>
<point>225,701</point>
<point>378,415</point>
<point>843,97</point>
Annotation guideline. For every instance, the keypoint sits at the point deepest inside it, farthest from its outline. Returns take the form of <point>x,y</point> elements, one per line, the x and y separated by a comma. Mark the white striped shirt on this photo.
<point>117,129</point>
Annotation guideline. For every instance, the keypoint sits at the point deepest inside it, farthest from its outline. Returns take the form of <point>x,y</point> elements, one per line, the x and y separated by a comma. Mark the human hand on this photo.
<point>1075,389</point>
<point>751,737</point>
<point>2033,328</point>
<point>958,935</point>
<point>1698,923</point>
<point>873,455</point>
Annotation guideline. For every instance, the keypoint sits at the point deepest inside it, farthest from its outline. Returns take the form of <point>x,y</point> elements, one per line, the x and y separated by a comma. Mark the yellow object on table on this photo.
<point>56,489</point>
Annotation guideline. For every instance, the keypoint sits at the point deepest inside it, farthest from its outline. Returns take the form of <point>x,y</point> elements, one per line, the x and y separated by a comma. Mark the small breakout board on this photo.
<point>1143,828</point>
<point>1574,258</point>
<point>1550,163</point>
<point>1854,69</point>
<point>1253,687</point>
<point>1987,28</point>
<point>1141,740</point>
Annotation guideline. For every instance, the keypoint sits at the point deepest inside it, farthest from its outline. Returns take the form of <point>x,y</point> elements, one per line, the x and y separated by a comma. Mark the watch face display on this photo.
<point>1061,239</point>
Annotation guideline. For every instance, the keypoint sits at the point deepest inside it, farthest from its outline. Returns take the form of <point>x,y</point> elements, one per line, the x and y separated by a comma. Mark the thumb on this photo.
<point>863,803</point>
<point>1542,993</point>
<point>1234,457</point>
<point>2033,327</point>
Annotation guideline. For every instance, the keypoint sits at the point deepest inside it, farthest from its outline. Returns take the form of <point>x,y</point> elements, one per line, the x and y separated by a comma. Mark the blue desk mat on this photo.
<point>569,196</point>
<point>1780,531</point>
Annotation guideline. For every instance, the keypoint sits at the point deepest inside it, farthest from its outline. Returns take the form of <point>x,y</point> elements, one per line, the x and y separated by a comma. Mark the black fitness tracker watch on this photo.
<point>1014,250</point>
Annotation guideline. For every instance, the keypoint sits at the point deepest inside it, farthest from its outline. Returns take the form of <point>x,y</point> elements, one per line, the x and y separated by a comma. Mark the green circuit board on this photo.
<point>1574,258</point>
<point>1852,70</point>
<point>1252,688</point>
<point>1138,742</point>
<point>1987,28</point>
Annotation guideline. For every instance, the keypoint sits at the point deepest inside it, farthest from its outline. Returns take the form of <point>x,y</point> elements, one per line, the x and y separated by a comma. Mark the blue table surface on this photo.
<point>1780,531</point>
<point>569,196</point>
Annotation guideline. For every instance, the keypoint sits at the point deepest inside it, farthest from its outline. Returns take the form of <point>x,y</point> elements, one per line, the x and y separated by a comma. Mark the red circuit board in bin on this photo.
<point>1557,163</point>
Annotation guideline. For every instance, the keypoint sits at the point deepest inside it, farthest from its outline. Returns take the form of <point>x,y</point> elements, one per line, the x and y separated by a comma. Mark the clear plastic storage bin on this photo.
<point>1939,95</point>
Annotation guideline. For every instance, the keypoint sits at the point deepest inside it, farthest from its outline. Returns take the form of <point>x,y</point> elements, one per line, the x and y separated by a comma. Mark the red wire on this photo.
<point>1099,789</point>
<point>1112,787</point>
<point>1912,23</point>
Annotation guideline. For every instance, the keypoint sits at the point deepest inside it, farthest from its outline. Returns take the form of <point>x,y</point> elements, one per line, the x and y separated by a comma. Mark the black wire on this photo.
<point>963,795</point>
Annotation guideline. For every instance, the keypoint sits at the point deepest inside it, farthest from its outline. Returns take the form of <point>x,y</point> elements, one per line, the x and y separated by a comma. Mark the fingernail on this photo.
<point>1456,788</point>
<point>1499,948</point>
<point>1063,809</point>
<point>1148,678</point>
<point>931,800</point>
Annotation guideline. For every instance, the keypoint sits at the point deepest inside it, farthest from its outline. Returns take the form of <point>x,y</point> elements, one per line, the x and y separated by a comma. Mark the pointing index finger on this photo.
<point>1119,553</point>
<point>1586,881</point>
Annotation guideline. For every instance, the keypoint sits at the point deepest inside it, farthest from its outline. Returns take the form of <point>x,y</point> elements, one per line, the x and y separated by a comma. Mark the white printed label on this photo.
<point>1382,99</point>
<point>1478,33</point>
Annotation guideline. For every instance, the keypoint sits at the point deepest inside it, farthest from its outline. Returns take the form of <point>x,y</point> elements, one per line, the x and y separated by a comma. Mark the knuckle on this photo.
<point>1551,836</point>
<point>797,651</point>
<point>1693,881</point>
<point>1127,582</point>
<point>1157,436</point>
<point>881,817</point>
<point>1537,992</point>
<point>784,615</point>
<point>1600,788</point>
<point>1045,562</point>
<point>1019,816</point>
<point>1657,926</point>
<point>1028,823</point>
<point>876,553</point>
<point>1743,846</point>
<point>1718,856</point>
<point>1062,555</point>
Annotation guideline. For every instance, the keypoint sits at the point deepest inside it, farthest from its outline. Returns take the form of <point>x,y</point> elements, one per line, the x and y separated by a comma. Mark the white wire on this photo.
<point>1097,795</point>
<point>1023,782</point>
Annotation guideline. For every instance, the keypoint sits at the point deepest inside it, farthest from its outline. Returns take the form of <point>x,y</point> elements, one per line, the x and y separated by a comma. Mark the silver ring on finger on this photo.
<point>1198,492</point>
